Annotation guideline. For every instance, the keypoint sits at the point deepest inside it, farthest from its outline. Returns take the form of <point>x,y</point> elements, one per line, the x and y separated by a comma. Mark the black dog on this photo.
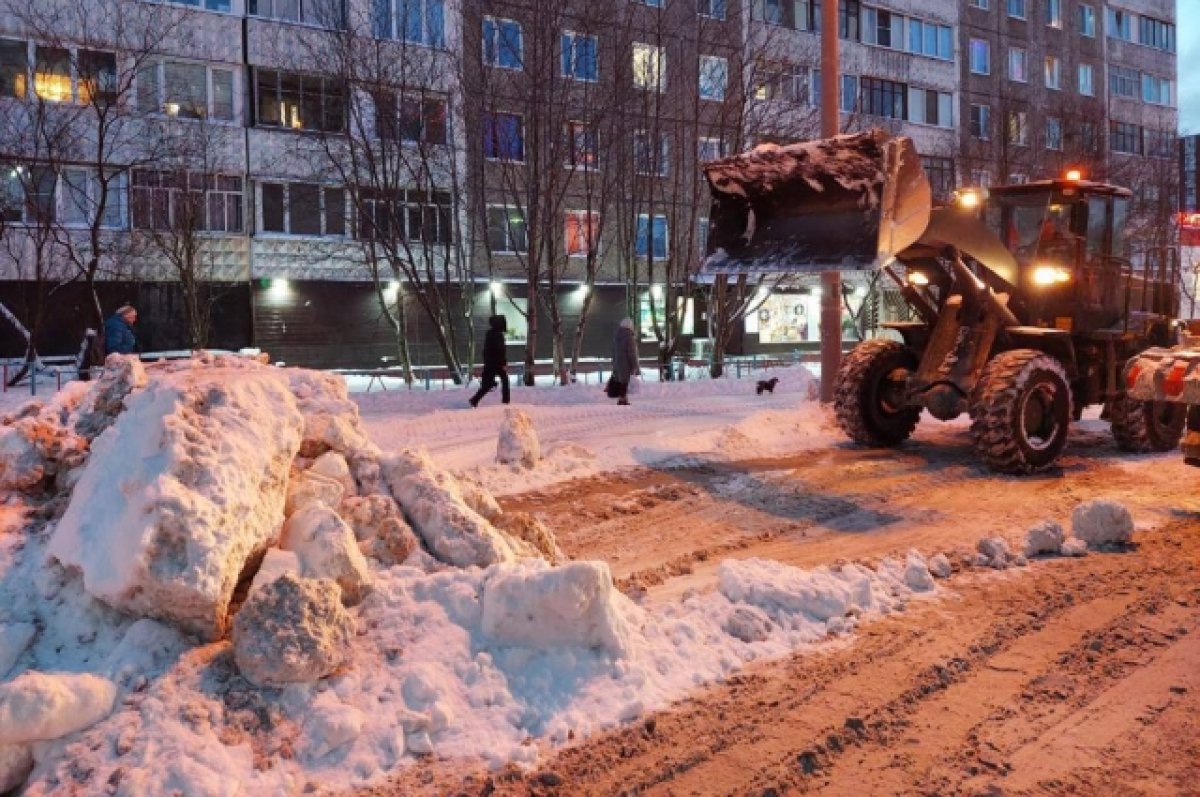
<point>768,385</point>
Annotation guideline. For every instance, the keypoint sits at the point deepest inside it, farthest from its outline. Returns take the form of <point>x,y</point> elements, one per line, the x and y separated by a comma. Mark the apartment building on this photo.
<point>353,173</point>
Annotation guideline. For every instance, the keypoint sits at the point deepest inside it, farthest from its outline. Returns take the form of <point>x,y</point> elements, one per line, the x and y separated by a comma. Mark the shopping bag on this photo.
<point>613,388</point>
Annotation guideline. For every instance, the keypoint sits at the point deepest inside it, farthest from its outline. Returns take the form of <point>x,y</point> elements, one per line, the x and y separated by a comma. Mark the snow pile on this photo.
<point>1101,522</point>
<point>518,443</point>
<point>994,552</point>
<point>14,639</point>
<point>940,567</point>
<point>326,548</point>
<point>1044,538</point>
<point>38,706</point>
<point>16,762</point>
<point>292,630</point>
<point>37,442</point>
<point>539,606</point>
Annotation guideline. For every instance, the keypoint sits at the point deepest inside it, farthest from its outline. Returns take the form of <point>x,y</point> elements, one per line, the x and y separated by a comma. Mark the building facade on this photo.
<point>361,182</point>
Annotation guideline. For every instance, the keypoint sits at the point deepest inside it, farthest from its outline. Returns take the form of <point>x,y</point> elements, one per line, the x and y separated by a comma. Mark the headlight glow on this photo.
<point>1050,275</point>
<point>917,278</point>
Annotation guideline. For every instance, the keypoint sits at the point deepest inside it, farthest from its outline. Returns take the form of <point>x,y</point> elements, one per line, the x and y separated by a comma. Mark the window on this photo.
<point>1016,65</point>
<point>1054,13</point>
<point>579,60</point>
<point>848,13</point>
<point>1158,144</point>
<point>1126,138</point>
<point>209,5</point>
<point>187,91</point>
<point>1156,90</point>
<point>14,68</point>
<point>186,201</point>
<point>979,4</point>
<point>503,137</point>
<point>506,230</point>
<point>941,175</point>
<point>80,192</point>
<point>1157,34</point>
<point>1119,24</point>
<point>714,76</point>
<point>322,13</point>
<point>709,149</point>
<point>649,67</point>
<point>849,99</point>
<point>414,21</point>
<point>885,98</point>
<point>303,209</point>
<point>651,3</point>
<point>1087,80</point>
<point>62,75</point>
<point>879,27</point>
<point>1016,8</point>
<point>981,57</point>
<point>502,43</point>
<point>782,81</point>
<point>981,122</point>
<point>650,157</point>
<point>1087,21</point>
<point>1018,128</point>
<point>926,38</point>
<point>1054,133</point>
<point>300,102</point>
<point>930,107</point>
<point>413,117</point>
<point>769,11</point>
<point>652,237</point>
<point>1053,72</point>
<point>418,215</point>
<point>713,9</point>
<point>581,233</point>
<point>1123,82</point>
<point>583,146</point>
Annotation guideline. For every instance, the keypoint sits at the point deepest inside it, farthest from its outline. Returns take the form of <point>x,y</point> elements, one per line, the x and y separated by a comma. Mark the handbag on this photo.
<point>613,388</point>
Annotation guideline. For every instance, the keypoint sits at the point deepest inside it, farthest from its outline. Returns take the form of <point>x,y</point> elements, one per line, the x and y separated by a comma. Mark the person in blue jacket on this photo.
<point>119,337</point>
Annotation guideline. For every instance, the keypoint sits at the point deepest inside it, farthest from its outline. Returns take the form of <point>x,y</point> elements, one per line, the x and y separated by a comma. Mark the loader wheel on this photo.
<point>1145,426</point>
<point>1021,411</point>
<point>869,394</point>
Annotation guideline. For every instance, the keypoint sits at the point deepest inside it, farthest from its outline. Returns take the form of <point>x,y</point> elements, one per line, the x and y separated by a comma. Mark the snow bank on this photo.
<point>518,443</point>
<point>180,492</point>
<point>536,606</point>
<point>14,639</point>
<point>38,706</point>
<point>16,761</point>
<point>1102,522</point>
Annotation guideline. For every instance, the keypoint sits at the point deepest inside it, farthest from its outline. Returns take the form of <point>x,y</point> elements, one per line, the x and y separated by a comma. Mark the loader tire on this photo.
<point>1021,411</point>
<point>1146,426</point>
<point>869,394</point>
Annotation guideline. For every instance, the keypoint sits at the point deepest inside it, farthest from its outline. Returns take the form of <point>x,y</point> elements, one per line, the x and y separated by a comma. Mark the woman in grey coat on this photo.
<point>625,359</point>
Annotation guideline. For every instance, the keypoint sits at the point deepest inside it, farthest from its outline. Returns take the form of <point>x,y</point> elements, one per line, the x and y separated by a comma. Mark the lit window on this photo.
<point>649,67</point>
<point>582,145</point>
<point>581,233</point>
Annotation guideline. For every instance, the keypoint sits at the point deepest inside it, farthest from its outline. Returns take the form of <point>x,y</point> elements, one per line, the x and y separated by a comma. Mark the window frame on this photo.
<point>288,208</point>
<point>569,68</point>
<point>499,45</point>
<point>159,65</point>
<point>707,62</point>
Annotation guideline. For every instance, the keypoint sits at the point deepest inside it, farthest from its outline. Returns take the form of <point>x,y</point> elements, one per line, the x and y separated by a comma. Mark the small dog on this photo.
<point>767,385</point>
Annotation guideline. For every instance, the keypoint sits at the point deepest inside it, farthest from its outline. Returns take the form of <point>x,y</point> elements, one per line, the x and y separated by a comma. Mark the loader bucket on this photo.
<point>847,203</point>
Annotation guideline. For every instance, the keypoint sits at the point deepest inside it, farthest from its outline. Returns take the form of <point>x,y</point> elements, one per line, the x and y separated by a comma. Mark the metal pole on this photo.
<point>831,281</point>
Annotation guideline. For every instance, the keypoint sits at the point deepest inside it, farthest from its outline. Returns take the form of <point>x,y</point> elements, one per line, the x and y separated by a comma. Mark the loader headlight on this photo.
<point>917,278</point>
<point>969,198</point>
<point>1050,275</point>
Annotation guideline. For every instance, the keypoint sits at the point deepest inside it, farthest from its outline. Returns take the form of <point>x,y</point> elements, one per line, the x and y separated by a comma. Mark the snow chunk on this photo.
<point>147,649</point>
<point>779,589</point>
<point>292,630</point>
<point>1074,547</point>
<point>333,465</point>
<point>916,573</point>
<point>38,706</point>
<point>330,724</point>
<point>1102,522</point>
<point>749,624</point>
<point>16,762</point>
<point>526,528</point>
<point>275,563</point>
<point>366,513</point>
<point>14,639</point>
<point>940,567</point>
<point>180,492</point>
<point>1046,537</point>
<point>451,530</point>
<point>327,549</point>
<point>537,606</point>
<point>518,444</point>
<point>123,373</point>
<point>994,552</point>
<point>312,488</point>
<point>34,447</point>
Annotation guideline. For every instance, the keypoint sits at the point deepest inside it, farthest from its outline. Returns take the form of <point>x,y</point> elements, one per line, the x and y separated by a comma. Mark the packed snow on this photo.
<point>221,578</point>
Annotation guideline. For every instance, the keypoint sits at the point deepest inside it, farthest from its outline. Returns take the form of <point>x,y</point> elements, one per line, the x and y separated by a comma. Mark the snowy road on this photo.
<point>1047,679</point>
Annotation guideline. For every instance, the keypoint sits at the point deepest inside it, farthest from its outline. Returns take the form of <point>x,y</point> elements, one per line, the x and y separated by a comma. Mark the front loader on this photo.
<point>1027,303</point>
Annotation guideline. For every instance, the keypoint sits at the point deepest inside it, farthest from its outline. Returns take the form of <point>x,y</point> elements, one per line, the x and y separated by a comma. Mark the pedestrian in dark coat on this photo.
<point>625,359</point>
<point>495,361</point>
<point>119,337</point>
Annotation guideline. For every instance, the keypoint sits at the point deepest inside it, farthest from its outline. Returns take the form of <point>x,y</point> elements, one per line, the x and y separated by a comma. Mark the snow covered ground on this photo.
<point>492,664</point>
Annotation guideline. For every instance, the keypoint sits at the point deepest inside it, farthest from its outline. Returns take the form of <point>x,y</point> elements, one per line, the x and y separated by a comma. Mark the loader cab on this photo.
<point>1068,238</point>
